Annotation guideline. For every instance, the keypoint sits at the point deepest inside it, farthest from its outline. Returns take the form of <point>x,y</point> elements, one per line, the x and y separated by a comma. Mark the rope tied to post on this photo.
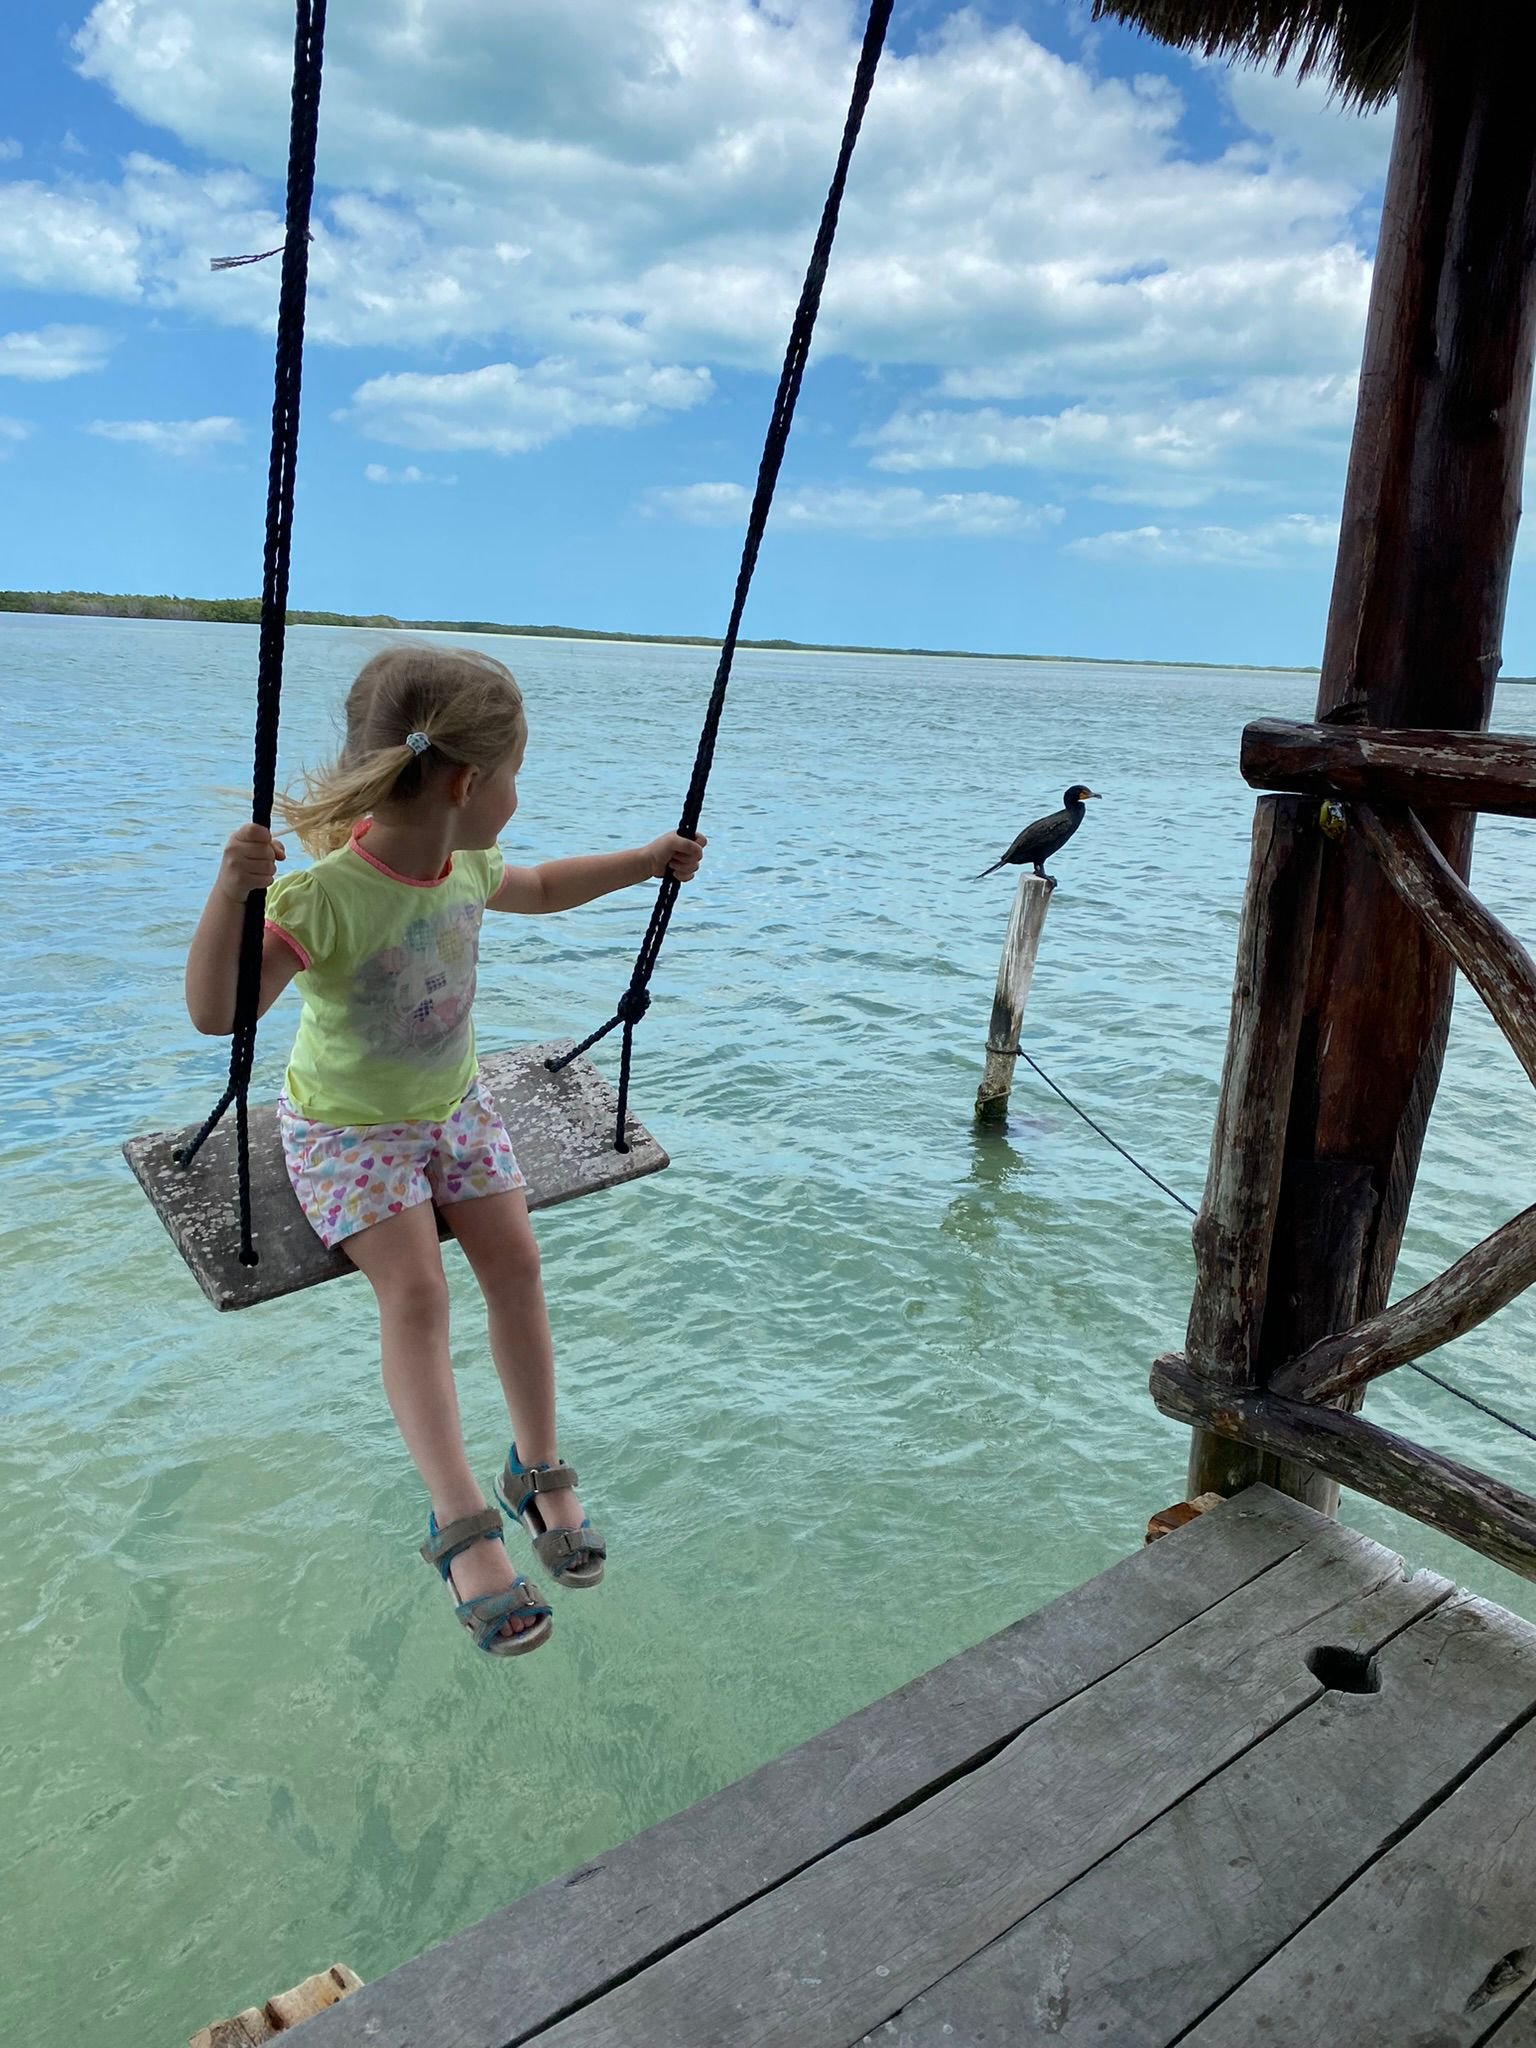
<point>635,1000</point>
<point>308,55</point>
<point>1446,1386</point>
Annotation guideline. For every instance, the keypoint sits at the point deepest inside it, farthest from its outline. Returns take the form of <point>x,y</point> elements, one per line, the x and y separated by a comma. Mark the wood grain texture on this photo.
<point>1518,2027</point>
<point>561,1127</point>
<point>1234,1233</point>
<point>1497,1520</point>
<point>1486,951</point>
<point>282,2012</point>
<point>523,1966</point>
<point>248,2029</point>
<point>1432,504</point>
<point>1426,769</point>
<point>1481,1282</point>
<point>315,1995</point>
<point>1021,943</point>
<point>1140,1947</point>
<point>853,1938</point>
<point>1424,1950</point>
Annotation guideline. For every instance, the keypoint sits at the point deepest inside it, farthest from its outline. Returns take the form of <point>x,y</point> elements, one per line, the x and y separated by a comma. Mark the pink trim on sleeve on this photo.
<point>288,940</point>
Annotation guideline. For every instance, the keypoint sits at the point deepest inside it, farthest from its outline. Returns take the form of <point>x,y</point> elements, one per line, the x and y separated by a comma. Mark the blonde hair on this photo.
<point>468,706</point>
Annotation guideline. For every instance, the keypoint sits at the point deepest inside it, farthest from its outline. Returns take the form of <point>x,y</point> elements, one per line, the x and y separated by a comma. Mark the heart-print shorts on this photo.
<point>349,1177</point>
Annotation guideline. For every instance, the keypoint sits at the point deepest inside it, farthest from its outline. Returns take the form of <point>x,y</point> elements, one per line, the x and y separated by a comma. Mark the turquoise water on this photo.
<point>850,1386</point>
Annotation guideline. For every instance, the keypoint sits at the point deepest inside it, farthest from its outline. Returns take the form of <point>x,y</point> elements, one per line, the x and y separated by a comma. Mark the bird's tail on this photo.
<point>987,871</point>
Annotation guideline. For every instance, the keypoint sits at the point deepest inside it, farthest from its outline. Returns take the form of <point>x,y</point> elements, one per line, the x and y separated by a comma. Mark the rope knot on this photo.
<point>633,1004</point>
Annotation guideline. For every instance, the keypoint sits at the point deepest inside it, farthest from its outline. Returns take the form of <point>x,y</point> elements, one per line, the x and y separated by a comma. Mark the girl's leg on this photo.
<point>404,1266</point>
<point>503,1253</point>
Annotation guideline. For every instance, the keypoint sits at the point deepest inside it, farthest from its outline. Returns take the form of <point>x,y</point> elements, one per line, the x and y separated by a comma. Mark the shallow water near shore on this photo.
<point>850,1387</point>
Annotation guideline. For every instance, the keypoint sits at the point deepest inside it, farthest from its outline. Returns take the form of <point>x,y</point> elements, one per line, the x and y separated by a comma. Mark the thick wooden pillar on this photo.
<point>1431,507</point>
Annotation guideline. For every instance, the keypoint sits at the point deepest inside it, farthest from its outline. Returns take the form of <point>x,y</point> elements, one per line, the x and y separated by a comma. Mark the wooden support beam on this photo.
<point>1181,1514</point>
<point>1486,951</point>
<point>1431,508</point>
<point>1026,922</point>
<point>1489,1276</point>
<point>1479,1284</point>
<point>282,2012</point>
<point>1426,767</point>
<point>1235,1228</point>
<point>1497,1520</point>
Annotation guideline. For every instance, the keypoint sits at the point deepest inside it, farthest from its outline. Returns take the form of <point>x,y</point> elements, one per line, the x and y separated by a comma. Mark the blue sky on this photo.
<point>1086,364</point>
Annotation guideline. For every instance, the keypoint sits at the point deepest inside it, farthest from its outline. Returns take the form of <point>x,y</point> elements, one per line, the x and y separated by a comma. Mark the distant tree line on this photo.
<point>227,611</point>
<point>246,611</point>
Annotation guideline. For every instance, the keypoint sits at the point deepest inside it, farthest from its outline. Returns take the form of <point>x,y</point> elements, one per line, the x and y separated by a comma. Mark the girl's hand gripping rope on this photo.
<point>249,862</point>
<point>681,855</point>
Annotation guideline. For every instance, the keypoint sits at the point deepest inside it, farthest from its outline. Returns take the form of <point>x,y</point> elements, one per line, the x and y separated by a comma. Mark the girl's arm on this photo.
<point>213,959</point>
<point>562,884</point>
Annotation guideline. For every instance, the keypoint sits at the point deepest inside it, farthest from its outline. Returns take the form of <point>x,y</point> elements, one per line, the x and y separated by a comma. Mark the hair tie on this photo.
<point>417,742</point>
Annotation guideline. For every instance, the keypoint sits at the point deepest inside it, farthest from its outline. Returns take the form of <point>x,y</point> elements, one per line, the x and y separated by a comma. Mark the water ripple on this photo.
<point>853,1384</point>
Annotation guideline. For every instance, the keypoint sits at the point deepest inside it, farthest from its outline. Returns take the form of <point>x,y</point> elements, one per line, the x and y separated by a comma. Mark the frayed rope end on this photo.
<point>237,262</point>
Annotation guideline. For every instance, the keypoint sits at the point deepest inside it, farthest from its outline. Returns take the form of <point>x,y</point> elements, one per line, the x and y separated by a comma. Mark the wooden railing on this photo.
<point>1302,1407</point>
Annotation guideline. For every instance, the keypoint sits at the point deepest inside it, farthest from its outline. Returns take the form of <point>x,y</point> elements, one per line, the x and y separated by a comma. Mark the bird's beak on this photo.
<point>1094,793</point>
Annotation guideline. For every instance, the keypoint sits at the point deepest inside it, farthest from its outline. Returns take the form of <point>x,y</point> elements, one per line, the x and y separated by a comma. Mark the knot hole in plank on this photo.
<point>1509,1976</point>
<point>1343,1670</point>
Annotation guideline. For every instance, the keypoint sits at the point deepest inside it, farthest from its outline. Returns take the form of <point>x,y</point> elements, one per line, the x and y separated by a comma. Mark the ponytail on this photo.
<point>458,706</point>
<point>335,799</point>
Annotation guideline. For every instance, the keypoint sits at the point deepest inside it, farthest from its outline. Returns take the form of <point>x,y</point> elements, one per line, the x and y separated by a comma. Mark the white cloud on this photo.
<point>10,148</point>
<point>12,434</point>
<point>50,353</point>
<point>873,514</point>
<point>1179,452</point>
<point>1307,125</point>
<point>633,184</point>
<point>377,473</point>
<point>638,179</point>
<point>1273,544</point>
<point>510,410</point>
<point>180,438</point>
<point>67,240</point>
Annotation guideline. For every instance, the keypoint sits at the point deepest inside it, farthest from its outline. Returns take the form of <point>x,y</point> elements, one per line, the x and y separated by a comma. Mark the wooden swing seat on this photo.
<point>561,1127</point>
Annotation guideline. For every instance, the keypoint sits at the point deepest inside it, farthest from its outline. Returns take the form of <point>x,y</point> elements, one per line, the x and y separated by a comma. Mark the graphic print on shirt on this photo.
<point>412,1000</point>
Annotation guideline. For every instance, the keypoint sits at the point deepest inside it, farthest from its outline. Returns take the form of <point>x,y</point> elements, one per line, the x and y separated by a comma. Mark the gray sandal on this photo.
<point>573,1557</point>
<point>486,1614</point>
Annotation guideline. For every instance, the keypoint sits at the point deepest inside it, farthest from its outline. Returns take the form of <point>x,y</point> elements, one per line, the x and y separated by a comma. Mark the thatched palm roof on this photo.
<point>1360,44</point>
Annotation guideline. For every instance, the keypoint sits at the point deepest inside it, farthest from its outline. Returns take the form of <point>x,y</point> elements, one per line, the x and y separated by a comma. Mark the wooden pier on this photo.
<point>1253,1786</point>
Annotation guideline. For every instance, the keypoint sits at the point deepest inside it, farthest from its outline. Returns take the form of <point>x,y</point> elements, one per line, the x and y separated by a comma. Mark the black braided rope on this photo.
<point>636,998</point>
<point>1461,1394</point>
<point>308,50</point>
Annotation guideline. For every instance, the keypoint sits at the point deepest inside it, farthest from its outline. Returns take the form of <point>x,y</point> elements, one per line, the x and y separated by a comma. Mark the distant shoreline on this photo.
<point>245,611</point>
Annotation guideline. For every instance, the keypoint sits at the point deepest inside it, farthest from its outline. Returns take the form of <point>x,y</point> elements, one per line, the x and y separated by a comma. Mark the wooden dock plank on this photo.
<point>1424,1949</point>
<point>1149,1940</point>
<point>521,1967</point>
<point>821,1960</point>
<point>562,1128</point>
<point>1518,2029</point>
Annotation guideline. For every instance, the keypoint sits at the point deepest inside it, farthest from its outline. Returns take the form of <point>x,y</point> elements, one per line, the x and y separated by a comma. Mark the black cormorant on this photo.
<point>1037,842</point>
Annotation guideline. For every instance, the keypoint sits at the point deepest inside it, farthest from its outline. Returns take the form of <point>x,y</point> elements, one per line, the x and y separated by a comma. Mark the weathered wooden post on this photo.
<point>1015,971</point>
<point>282,2014</point>
<point>1431,506</point>
<point>1234,1232</point>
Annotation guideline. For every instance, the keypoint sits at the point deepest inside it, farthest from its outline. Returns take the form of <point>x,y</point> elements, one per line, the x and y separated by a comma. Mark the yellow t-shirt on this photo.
<point>388,980</point>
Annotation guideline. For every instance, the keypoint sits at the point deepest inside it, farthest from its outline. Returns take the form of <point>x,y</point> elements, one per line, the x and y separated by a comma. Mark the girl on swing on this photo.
<point>383,1114</point>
